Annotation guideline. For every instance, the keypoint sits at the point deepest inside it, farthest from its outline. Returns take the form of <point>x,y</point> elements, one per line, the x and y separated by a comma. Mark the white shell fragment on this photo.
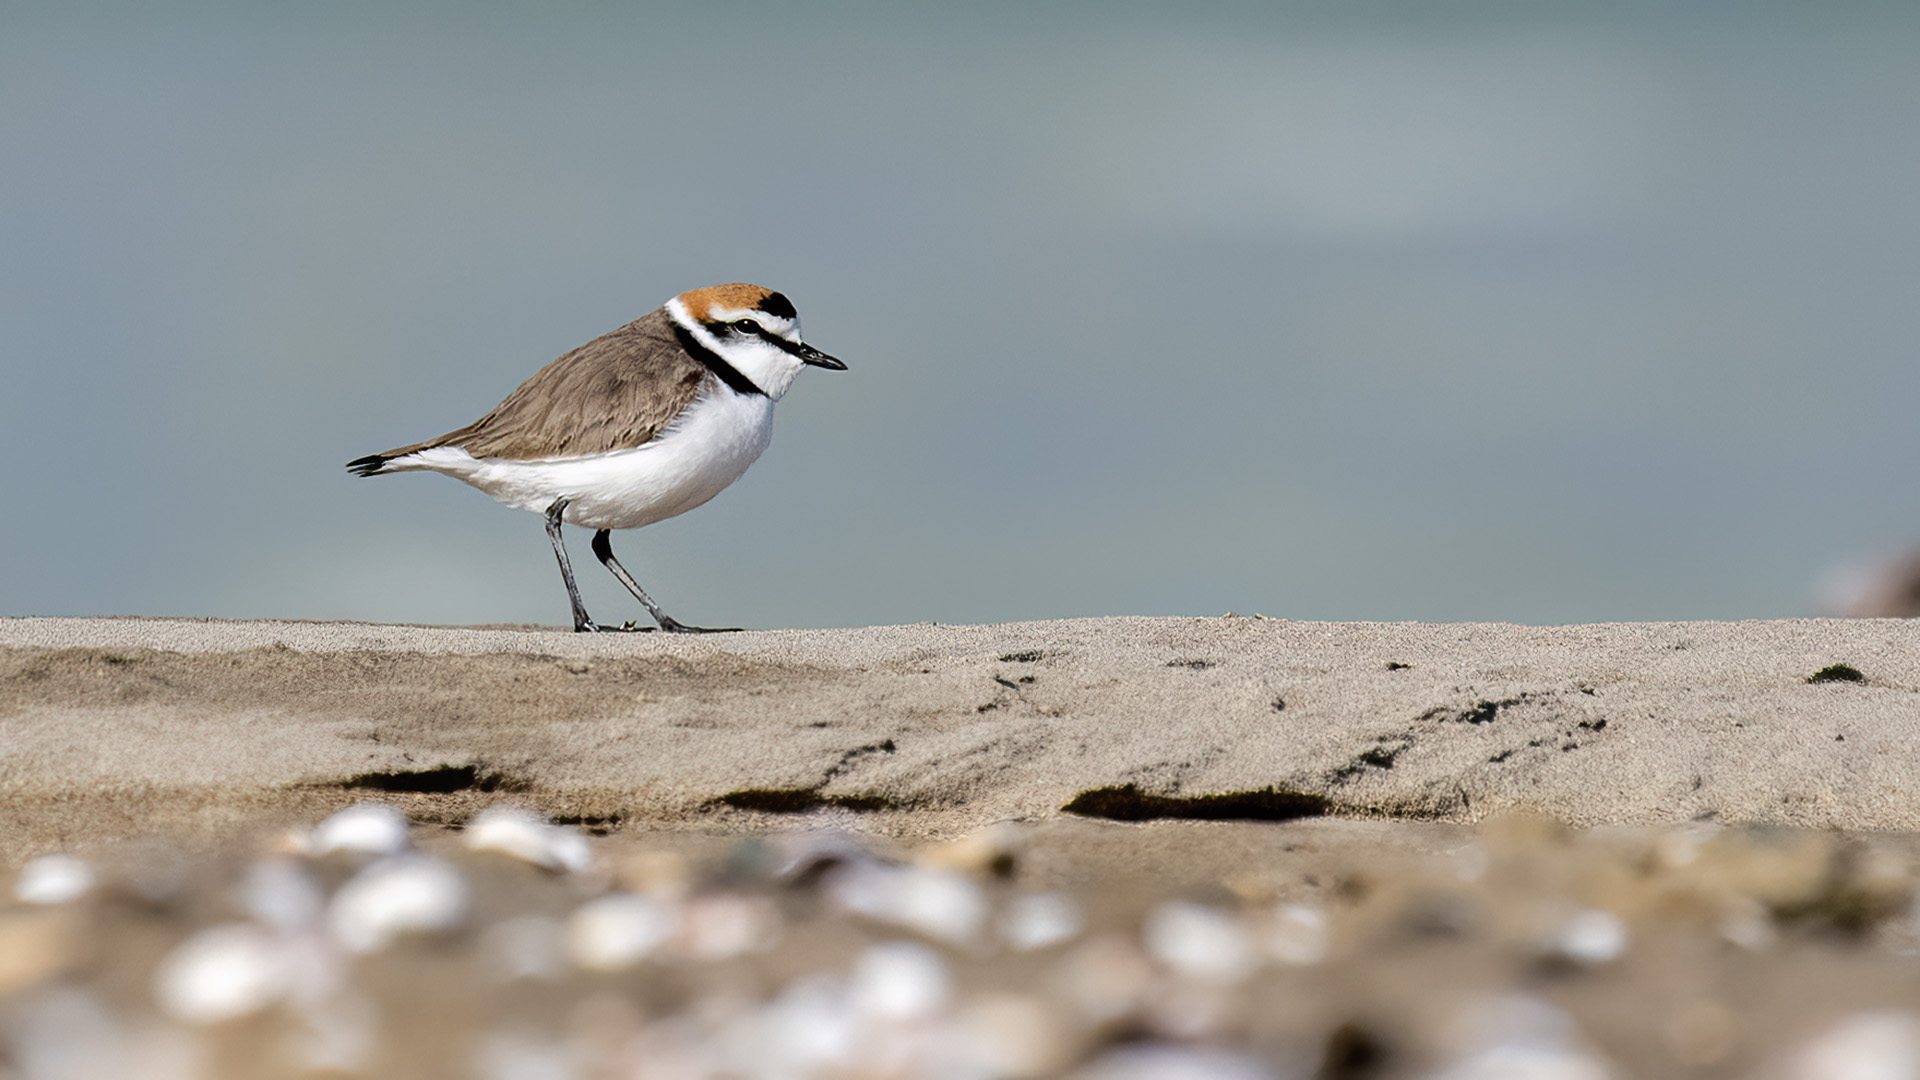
<point>1199,942</point>
<point>618,931</point>
<point>1593,936</point>
<point>222,973</point>
<point>1880,1045</point>
<point>525,835</point>
<point>406,894</point>
<point>367,828</point>
<point>940,904</point>
<point>54,879</point>
<point>1038,920</point>
<point>899,980</point>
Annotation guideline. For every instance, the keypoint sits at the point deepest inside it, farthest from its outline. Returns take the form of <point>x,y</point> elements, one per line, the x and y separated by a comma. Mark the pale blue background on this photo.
<point>1535,311</point>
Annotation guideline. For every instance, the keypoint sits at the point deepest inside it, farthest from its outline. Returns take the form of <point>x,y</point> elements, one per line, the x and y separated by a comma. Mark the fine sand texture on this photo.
<point>114,728</point>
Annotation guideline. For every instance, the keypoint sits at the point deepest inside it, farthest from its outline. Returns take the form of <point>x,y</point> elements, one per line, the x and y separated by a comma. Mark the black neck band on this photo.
<point>715,363</point>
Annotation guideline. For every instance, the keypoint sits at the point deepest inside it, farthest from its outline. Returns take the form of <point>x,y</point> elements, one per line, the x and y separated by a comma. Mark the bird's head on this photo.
<point>754,329</point>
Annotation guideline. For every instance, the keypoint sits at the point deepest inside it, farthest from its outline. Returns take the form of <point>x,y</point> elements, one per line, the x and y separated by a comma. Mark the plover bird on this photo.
<point>634,427</point>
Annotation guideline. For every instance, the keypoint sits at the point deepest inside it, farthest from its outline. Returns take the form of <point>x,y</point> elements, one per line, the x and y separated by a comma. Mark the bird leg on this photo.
<point>603,547</point>
<point>582,622</point>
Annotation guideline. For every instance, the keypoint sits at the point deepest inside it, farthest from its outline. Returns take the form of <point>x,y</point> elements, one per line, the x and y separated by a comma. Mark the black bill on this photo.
<point>810,355</point>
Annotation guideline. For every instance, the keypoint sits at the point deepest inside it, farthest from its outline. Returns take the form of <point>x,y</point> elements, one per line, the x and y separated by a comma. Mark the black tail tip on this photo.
<point>367,466</point>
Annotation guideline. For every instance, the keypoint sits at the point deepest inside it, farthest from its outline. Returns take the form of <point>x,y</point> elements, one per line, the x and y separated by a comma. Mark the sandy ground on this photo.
<point>1124,849</point>
<point>118,726</point>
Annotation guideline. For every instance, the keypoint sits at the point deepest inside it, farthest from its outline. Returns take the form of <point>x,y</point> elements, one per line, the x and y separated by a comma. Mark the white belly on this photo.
<point>705,449</point>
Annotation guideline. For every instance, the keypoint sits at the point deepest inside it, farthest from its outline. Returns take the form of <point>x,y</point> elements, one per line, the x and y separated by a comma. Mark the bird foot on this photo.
<point>671,625</point>
<point>668,625</point>
<point>588,626</point>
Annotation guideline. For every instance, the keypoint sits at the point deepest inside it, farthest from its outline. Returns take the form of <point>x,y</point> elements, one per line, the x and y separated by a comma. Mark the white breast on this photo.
<point>706,448</point>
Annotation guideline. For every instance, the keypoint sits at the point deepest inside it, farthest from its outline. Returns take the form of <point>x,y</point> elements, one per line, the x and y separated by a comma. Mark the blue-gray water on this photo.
<point>1524,312</point>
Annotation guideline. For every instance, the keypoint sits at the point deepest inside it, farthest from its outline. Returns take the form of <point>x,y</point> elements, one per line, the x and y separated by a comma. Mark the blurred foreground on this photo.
<point>508,947</point>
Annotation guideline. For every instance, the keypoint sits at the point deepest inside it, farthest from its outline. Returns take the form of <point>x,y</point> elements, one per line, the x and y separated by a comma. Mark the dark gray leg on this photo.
<point>582,623</point>
<point>603,547</point>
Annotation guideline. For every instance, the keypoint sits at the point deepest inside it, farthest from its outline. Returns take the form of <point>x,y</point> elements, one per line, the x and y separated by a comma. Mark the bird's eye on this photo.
<point>746,326</point>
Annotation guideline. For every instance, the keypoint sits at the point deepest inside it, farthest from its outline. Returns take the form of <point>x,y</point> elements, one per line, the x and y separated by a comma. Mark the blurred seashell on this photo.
<point>1160,1061</point>
<point>1296,934</point>
<point>1592,936</point>
<point>899,980</point>
<point>614,932</point>
<point>54,879</point>
<point>318,966</point>
<point>368,828</point>
<point>1880,1045</point>
<point>727,925</point>
<point>940,904</point>
<point>1038,920</point>
<point>529,837</point>
<point>990,852</point>
<point>1520,1036</point>
<point>1526,1061</point>
<point>663,875</point>
<point>807,1030</point>
<point>280,893</point>
<point>404,894</point>
<point>1199,942</point>
<point>803,855</point>
<point>222,973</point>
<point>1191,1010</point>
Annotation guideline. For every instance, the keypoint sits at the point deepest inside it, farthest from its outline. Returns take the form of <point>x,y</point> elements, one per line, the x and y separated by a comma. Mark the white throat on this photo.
<point>766,366</point>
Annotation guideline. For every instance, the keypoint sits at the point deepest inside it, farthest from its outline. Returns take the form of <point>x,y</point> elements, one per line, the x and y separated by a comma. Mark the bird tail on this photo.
<point>371,465</point>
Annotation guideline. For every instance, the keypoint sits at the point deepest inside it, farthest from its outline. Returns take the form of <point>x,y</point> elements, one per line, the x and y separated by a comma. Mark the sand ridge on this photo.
<point>117,726</point>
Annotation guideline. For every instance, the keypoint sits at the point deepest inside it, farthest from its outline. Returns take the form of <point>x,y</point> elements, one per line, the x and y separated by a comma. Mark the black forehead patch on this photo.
<point>777,304</point>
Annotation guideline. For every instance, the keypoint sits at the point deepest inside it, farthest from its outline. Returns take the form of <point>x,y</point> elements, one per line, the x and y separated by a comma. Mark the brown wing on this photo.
<point>615,392</point>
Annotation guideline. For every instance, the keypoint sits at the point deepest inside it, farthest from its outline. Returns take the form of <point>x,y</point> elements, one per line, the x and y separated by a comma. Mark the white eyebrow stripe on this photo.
<point>786,328</point>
